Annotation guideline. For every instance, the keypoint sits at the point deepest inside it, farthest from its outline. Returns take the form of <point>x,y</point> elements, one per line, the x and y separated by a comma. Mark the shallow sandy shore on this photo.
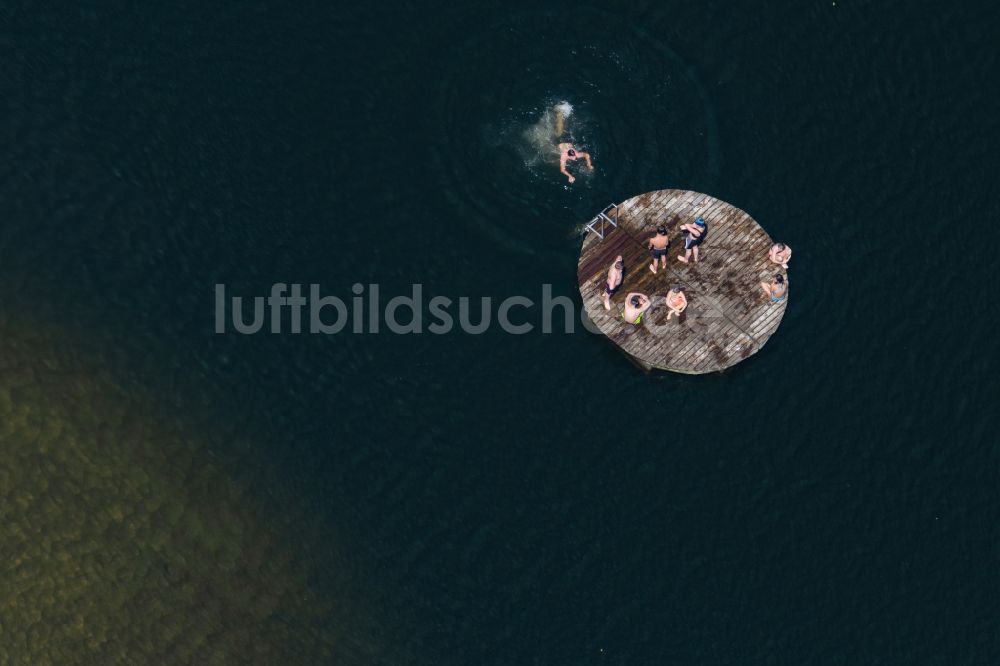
<point>122,542</point>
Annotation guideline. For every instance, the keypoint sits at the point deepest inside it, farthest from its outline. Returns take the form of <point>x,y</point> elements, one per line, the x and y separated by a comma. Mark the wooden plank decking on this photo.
<point>728,317</point>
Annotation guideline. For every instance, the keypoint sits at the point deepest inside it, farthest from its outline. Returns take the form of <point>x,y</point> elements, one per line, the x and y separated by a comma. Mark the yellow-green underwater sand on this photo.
<point>120,541</point>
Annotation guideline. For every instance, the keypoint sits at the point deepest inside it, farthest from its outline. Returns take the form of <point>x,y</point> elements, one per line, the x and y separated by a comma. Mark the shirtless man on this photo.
<point>780,254</point>
<point>696,234</point>
<point>777,288</point>
<point>676,302</point>
<point>567,153</point>
<point>658,247</point>
<point>615,276</point>
<point>636,305</point>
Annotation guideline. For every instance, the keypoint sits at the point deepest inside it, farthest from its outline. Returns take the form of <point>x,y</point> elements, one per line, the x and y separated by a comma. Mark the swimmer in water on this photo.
<point>567,153</point>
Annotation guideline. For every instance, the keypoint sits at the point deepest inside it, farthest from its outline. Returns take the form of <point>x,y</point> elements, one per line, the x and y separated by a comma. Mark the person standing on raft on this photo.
<point>616,274</point>
<point>696,234</point>
<point>658,245</point>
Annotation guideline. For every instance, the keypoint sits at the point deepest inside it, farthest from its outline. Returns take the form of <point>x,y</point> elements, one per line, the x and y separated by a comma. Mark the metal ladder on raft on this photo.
<point>603,219</point>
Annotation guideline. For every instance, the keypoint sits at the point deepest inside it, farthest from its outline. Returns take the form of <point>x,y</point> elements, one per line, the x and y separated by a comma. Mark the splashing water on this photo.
<point>565,108</point>
<point>541,139</point>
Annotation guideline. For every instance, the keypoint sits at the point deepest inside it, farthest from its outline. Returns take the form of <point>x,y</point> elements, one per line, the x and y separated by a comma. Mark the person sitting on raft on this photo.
<point>696,234</point>
<point>616,274</point>
<point>636,305</point>
<point>658,245</point>
<point>780,254</point>
<point>777,288</point>
<point>676,302</point>
<point>567,153</point>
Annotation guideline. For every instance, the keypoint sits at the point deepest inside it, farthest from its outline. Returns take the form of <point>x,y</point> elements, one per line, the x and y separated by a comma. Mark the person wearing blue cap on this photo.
<point>695,236</point>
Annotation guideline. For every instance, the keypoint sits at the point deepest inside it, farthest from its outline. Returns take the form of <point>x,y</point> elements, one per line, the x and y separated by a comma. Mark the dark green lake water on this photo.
<point>492,499</point>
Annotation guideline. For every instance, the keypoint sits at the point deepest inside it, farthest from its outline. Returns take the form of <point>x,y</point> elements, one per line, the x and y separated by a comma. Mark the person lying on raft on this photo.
<point>696,234</point>
<point>658,245</point>
<point>676,302</point>
<point>616,274</point>
<point>636,305</point>
<point>777,288</point>
<point>567,153</point>
<point>780,254</point>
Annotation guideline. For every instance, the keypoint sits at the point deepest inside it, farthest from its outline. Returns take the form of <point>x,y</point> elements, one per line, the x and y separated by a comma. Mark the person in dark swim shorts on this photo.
<point>616,275</point>
<point>658,245</point>
<point>696,234</point>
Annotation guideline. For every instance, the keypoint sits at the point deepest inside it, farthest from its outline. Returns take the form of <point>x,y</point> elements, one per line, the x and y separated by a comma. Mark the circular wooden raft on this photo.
<point>728,316</point>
